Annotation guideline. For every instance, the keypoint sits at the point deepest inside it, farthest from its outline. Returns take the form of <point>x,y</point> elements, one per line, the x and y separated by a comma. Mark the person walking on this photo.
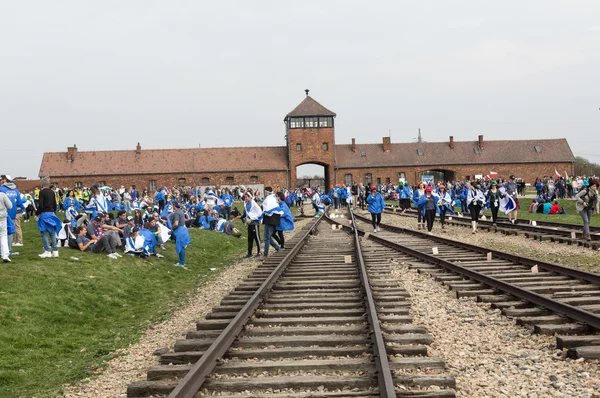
<point>587,202</point>
<point>5,205</point>
<point>375,207</point>
<point>271,219</point>
<point>417,194</point>
<point>493,197</point>
<point>476,200</point>
<point>253,215</point>
<point>444,204</point>
<point>428,204</point>
<point>286,223</point>
<point>512,191</point>
<point>180,232</point>
<point>48,224</point>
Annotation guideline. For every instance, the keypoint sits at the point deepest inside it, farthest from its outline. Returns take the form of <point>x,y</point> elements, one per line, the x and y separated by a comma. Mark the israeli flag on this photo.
<point>507,203</point>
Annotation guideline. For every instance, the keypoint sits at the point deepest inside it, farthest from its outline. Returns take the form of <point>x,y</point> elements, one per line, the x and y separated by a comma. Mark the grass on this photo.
<point>568,204</point>
<point>61,319</point>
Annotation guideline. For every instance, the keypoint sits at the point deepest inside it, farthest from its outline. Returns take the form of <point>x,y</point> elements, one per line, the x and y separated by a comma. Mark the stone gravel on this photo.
<point>490,355</point>
<point>131,364</point>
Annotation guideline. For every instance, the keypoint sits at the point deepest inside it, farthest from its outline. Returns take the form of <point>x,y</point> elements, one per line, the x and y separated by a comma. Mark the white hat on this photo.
<point>8,178</point>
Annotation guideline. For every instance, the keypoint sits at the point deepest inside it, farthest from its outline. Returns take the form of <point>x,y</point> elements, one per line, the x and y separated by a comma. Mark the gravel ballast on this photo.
<point>132,364</point>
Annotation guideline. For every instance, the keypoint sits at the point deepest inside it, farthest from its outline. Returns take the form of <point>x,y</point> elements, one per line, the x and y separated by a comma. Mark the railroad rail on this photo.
<point>551,298</point>
<point>538,230</point>
<point>323,319</point>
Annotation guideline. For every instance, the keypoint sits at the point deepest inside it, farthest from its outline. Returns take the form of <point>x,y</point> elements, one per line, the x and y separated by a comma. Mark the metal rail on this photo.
<point>384,373</point>
<point>558,269</point>
<point>193,380</point>
<point>558,307</point>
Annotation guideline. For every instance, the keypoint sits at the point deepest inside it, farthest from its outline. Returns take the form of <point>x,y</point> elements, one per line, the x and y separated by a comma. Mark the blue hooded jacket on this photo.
<point>376,203</point>
<point>15,197</point>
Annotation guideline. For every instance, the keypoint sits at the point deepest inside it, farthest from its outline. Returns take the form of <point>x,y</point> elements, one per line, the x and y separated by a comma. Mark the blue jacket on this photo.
<point>423,199</point>
<point>15,197</point>
<point>404,192</point>
<point>376,203</point>
<point>287,220</point>
<point>227,200</point>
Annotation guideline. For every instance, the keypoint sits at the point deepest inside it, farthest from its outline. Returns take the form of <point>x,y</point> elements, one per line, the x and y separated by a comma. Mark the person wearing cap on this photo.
<point>512,191</point>
<point>376,205</point>
<point>428,204</point>
<point>403,196</point>
<point>475,201</point>
<point>48,224</point>
<point>5,205</point>
<point>272,214</point>
<point>444,204</point>
<point>129,226</point>
<point>493,197</point>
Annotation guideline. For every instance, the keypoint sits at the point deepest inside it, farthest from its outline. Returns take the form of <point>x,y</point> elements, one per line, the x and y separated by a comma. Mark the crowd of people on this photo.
<point>146,222</point>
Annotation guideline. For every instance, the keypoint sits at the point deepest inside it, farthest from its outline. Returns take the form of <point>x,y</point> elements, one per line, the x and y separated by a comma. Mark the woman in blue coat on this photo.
<point>418,193</point>
<point>286,222</point>
<point>375,207</point>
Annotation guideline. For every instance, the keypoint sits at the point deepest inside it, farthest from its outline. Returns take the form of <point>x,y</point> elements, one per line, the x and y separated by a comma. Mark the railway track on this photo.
<point>548,298</point>
<point>323,319</point>
<point>542,231</point>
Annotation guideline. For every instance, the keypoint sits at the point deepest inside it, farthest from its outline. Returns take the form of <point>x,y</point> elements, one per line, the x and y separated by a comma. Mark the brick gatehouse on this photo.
<point>310,139</point>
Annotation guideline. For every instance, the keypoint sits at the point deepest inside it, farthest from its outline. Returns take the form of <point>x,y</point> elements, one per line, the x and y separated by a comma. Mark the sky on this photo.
<point>178,74</point>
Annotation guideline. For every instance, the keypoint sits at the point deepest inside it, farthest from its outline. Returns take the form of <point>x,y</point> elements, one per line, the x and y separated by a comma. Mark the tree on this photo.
<point>585,167</point>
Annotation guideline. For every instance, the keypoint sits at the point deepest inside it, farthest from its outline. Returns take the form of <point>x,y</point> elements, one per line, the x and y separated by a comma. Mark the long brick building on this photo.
<point>310,139</point>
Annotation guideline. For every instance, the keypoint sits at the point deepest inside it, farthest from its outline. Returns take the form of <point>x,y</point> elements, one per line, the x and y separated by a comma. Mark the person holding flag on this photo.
<point>493,197</point>
<point>253,216</point>
<point>272,214</point>
<point>511,190</point>
<point>475,201</point>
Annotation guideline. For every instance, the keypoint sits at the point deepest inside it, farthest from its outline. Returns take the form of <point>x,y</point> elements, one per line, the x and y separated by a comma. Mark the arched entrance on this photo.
<point>312,175</point>
<point>437,176</point>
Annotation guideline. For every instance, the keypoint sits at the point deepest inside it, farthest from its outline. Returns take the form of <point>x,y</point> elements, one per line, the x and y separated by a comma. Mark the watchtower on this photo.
<point>310,136</point>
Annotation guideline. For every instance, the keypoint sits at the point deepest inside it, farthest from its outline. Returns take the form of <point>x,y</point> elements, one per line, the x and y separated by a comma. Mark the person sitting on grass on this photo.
<point>108,243</point>
<point>230,229</point>
<point>556,209</point>
<point>547,206</point>
<point>141,244</point>
<point>532,206</point>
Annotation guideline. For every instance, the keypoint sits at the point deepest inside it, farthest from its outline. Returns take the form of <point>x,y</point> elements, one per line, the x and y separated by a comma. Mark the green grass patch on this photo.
<point>61,319</point>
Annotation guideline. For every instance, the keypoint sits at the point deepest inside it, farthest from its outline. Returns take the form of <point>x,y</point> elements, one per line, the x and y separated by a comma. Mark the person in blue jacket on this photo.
<point>16,199</point>
<point>375,207</point>
<point>286,222</point>
<point>417,194</point>
<point>227,199</point>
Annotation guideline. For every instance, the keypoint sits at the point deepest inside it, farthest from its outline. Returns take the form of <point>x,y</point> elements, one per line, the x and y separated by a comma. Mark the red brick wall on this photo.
<point>526,171</point>
<point>268,178</point>
<point>312,140</point>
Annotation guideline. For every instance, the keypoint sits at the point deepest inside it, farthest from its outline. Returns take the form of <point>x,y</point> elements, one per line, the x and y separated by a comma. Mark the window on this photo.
<point>298,147</point>
<point>348,179</point>
<point>311,122</point>
<point>387,180</point>
<point>325,146</point>
<point>420,152</point>
<point>296,122</point>
<point>205,180</point>
<point>325,122</point>
<point>537,148</point>
<point>378,180</point>
<point>181,180</point>
<point>152,185</point>
<point>477,150</point>
<point>368,179</point>
<point>79,185</point>
<point>229,180</point>
<point>402,176</point>
<point>102,183</point>
<point>253,178</point>
<point>363,154</point>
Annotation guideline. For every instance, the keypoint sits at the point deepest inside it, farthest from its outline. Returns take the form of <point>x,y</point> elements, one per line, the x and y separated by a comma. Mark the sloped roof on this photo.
<point>309,107</point>
<point>439,153</point>
<point>195,160</point>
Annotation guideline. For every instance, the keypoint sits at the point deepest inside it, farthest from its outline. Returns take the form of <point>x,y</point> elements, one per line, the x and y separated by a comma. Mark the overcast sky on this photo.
<point>176,74</point>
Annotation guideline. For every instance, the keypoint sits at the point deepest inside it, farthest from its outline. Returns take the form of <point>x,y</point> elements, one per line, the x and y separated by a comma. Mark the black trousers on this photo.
<point>474,210</point>
<point>279,238</point>
<point>420,217</point>
<point>443,216</point>
<point>494,213</point>
<point>253,236</point>
<point>376,219</point>
<point>429,217</point>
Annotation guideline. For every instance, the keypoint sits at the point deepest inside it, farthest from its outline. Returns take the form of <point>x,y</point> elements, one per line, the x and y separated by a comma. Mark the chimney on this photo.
<point>481,142</point>
<point>71,152</point>
<point>353,145</point>
<point>451,142</point>
<point>138,149</point>
<point>387,146</point>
